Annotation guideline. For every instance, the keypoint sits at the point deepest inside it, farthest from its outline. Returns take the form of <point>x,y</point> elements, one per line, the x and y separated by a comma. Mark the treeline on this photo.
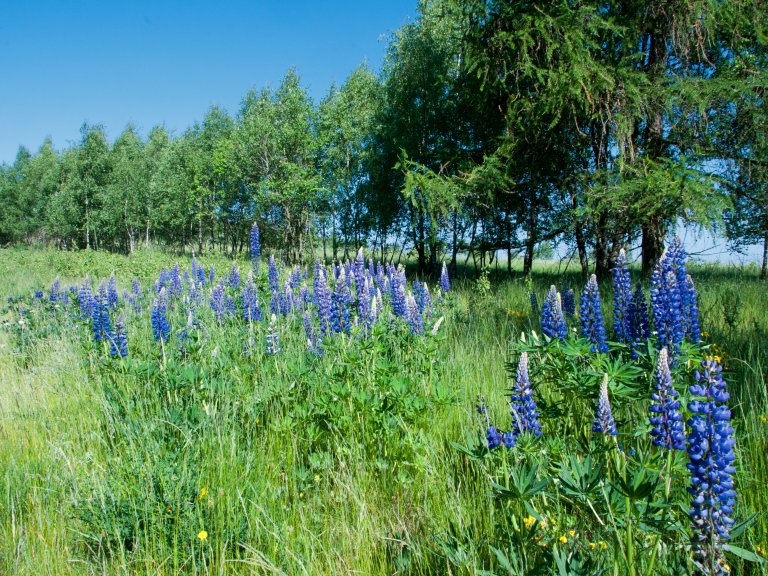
<point>494,126</point>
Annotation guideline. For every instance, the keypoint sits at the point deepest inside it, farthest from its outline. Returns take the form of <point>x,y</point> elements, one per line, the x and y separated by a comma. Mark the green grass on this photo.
<point>349,464</point>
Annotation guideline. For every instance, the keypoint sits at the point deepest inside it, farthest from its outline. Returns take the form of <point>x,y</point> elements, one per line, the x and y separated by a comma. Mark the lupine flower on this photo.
<point>399,304</point>
<point>211,275</point>
<point>359,272</point>
<point>286,299</point>
<point>274,285</point>
<point>552,319</point>
<point>175,287</point>
<point>525,416</point>
<point>201,277</point>
<point>569,302</point>
<point>664,412</point>
<point>55,294</point>
<point>711,458</point>
<point>640,329</point>
<point>250,300</point>
<point>492,435</point>
<point>445,281</point>
<point>217,302</point>
<point>255,247</point>
<point>313,345</point>
<point>666,307</point>
<point>691,307</point>
<point>341,300</point>
<point>534,303</point>
<point>234,276</point>
<point>112,298</point>
<point>100,323</point>
<point>118,341</point>
<point>622,299</point>
<point>591,316</point>
<point>273,341</point>
<point>604,422</point>
<point>415,321</point>
<point>323,301</point>
<point>364,303</point>
<point>161,330</point>
<point>229,307</point>
<point>85,300</point>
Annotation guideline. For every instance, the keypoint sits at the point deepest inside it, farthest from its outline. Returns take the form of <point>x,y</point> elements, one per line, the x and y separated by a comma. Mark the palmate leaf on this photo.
<point>580,477</point>
<point>523,484</point>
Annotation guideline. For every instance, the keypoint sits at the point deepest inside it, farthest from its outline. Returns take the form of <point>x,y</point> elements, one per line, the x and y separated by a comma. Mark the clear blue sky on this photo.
<point>149,63</point>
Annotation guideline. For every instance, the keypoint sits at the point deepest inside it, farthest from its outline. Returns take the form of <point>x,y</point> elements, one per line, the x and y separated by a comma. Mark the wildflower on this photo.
<point>759,549</point>
<point>622,299</point>
<point>85,299</point>
<point>203,493</point>
<point>445,282</point>
<point>764,419</point>
<point>563,539</point>
<point>604,422</point>
<point>492,436</point>
<point>397,287</point>
<point>534,303</point>
<point>639,328</point>
<point>529,521</point>
<point>217,302</point>
<point>255,247</point>
<point>317,479</point>
<point>691,306</point>
<point>118,340</point>
<point>273,342</point>
<point>572,533</point>
<point>274,285</point>
<point>160,327</point>
<point>569,303</point>
<point>234,276</point>
<point>313,345</point>
<point>591,316</point>
<point>323,300</point>
<point>55,294</point>
<point>415,319</point>
<point>710,451</point>
<point>202,535</point>
<point>341,299</point>
<point>175,287</point>
<point>666,306</point>
<point>100,315</point>
<point>249,299</point>
<point>664,412</point>
<point>552,320</point>
<point>525,416</point>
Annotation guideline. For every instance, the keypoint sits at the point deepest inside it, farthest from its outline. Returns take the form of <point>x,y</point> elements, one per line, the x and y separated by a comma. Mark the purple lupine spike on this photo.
<point>492,436</point>
<point>691,305</point>
<point>622,299</point>
<point>112,297</point>
<point>118,339</point>
<point>323,302</point>
<point>211,274</point>
<point>313,344</point>
<point>249,298</point>
<point>234,277</point>
<point>604,422</point>
<point>161,330</point>
<point>535,303</point>
<point>711,464</point>
<point>591,316</point>
<point>85,300</point>
<point>341,300</point>
<point>639,324</point>
<point>274,285</point>
<point>525,415</point>
<point>445,281</point>
<point>217,302</point>
<point>552,319</point>
<point>175,287</point>
<point>569,302</point>
<point>664,412</point>
<point>415,320</point>
<point>100,324</point>
<point>55,294</point>
<point>255,241</point>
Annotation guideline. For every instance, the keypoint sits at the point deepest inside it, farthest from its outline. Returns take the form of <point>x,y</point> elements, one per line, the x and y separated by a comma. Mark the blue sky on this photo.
<point>66,62</point>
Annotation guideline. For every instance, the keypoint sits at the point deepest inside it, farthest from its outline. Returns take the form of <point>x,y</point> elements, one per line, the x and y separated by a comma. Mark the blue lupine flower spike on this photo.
<point>591,316</point>
<point>604,422</point>
<point>525,416</point>
<point>664,412</point>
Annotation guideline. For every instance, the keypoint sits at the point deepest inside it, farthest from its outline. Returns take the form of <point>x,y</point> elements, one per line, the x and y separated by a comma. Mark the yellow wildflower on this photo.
<point>202,535</point>
<point>764,419</point>
<point>563,539</point>
<point>317,478</point>
<point>592,545</point>
<point>603,545</point>
<point>572,533</point>
<point>529,521</point>
<point>203,492</point>
<point>759,549</point>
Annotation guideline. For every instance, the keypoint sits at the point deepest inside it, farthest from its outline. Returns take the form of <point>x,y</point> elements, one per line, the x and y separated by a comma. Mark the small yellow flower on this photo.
<point>603,545</point>
<point>203,492</point>
<point>529,521</point>
<point>592,545</point>
<point>572,533</point>
<point>764,419</point>
<point>317,478</point>
<point>563,539</point>
<point>168,510</point>
<point>759,549</point>
<point>202,535</point>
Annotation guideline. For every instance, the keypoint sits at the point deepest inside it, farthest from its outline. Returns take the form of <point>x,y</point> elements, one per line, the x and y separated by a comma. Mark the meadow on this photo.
<point>237,443</point>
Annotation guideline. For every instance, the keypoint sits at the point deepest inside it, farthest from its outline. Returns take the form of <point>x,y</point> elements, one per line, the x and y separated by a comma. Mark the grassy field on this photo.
<point>217,458</point>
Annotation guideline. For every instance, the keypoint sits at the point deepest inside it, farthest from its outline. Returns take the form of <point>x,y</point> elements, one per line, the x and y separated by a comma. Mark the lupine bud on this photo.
<point>525,416</point>
<point>552,319</point>
<point>664,412</point>
<point>604,422</point>
<point>622,299</point>
<point>591,316</point>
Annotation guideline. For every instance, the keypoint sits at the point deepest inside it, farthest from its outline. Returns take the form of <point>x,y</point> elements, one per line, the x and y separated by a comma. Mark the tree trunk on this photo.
<point>765,257</point>
<point>654,231</point>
